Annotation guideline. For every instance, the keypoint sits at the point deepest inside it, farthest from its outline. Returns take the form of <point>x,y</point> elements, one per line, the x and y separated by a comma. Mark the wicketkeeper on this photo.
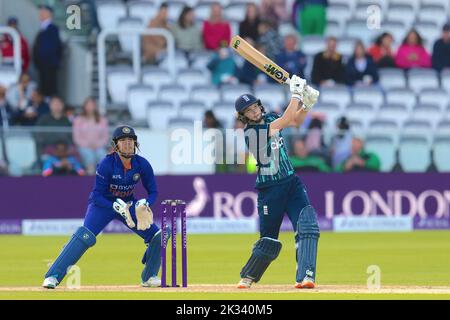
<point>279,189</point>
<point>112,198</point>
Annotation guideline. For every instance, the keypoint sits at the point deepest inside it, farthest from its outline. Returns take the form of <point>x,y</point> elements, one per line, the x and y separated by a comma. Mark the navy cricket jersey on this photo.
<point>274,166</point>
<point>113,180</point>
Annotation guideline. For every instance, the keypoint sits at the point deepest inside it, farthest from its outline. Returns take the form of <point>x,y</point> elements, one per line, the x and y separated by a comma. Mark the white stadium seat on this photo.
<point>180,122</point>
<point>394,112</point>
<point>202,11</point>
<point>230,92</point>
<point>181,61</point>
<point>208,94</point>
<point>430,32</point>
<point>331,111</point>
<point>415,4</point>
<point>235,11</point>
<point>433,14</point>
<point>225,113</point>
<point>414,154</point>
<point>339,12</point>
<point>391,78</point>
<point>311,45</point>
<point>441,154</point>
<point>126,40</point>
<point>192,109</point>
<point>371,95</point>
<point>405,97</point>
<point>138,98</point>
<point>419,79</point>
<point>334,29</point>
<point>380,126</point>
<point>201,59</point>
<point>358,29</point>
<point>145,10</point>
<point>337,94</point>
<point>346,46</point>
<point>109,13</point>
<point>175,8</point>
<point>384,147</point>
<point>430,112</point>
<point>404,13</point>
<point>272,94</point>
<point>189,78</point>
<point>21,151</point>
<point>174,93</point>
<point>445,80</point>
<point>118,80</point>
<point>418,128</point>
<point>362,112</point>
<point>397,29</point>
<point>159,113</point>
<point>444,4</point>
<point>156,77</point>
<point>8,76</point>
<point>435,96</point>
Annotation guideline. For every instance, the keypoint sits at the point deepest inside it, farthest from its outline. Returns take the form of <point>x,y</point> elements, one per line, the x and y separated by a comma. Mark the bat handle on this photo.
<point>288,81</point>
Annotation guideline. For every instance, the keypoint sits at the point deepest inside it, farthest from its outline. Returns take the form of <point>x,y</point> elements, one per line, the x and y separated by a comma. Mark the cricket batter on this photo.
<point>112,198</point>
<point>279,189</point>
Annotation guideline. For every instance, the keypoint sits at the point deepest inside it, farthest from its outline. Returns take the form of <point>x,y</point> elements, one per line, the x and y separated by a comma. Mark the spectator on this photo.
<point>188,36</point>
<point>90,135</point>
<point>303,161</point>
<point>360,69</point>
<point>249,74</point>
<point>382,52</point>
<point>216,31</point>
<point>70,113</point>
<point>269,38</point>
<point>61,163</point>
<point>210,121</point>
<point>47,52</point>
<point>412,53</point>
<point>274,11</point>
<point>56,121</point>
<point>328,68</point>
<point>290,58</point>
<point>5,108</point>
<point>314,142</point>
<point>248,28</point>
<point>19,95</point>
<point>3,168</point>
<point>341,143</point>
<point>310,16</point>
<point>441,50</point>
<point>223,67</point>
<point>7,46</point>
<point>36,107</point>
<point>359,160</point>
<point>153,46</point>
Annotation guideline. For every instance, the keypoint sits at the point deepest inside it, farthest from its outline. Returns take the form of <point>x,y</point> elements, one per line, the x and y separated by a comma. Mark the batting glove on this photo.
<point>297,87</point>
<point>310,97</point>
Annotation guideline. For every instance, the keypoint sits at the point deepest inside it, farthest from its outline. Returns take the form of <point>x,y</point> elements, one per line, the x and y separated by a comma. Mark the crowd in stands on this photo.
<point>28,103</point>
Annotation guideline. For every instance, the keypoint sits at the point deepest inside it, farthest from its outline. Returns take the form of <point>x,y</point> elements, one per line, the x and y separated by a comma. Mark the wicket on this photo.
<point>169,210</point>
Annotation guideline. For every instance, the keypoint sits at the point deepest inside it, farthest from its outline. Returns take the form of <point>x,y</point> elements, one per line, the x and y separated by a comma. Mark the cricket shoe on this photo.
<point>50,283</point>
<point>152,282</point>
<point>245,283</point>
<point>307,283</point>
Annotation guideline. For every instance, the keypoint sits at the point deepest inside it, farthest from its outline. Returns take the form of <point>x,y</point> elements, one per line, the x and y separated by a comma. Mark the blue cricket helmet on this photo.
<point>123,132</point>
<point>245,101</point>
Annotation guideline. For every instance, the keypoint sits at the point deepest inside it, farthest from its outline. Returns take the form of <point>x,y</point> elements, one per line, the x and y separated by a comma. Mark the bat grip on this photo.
<point>288,81</point>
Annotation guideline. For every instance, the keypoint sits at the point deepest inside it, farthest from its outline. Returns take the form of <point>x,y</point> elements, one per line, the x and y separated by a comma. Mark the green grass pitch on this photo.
<point>406,260</point>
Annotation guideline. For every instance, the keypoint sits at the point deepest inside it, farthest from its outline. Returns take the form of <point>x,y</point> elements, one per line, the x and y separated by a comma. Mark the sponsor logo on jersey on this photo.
<point>277,144</point>
<point>117,176</point>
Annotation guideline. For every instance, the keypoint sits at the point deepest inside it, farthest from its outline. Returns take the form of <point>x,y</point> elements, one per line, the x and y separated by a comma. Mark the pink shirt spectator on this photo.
<point>89,134</point>
<point>216,35</point>
<point>412,56</point>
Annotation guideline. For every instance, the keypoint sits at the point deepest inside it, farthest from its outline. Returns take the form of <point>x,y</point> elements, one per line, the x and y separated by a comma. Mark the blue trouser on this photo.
<point>275,201</point>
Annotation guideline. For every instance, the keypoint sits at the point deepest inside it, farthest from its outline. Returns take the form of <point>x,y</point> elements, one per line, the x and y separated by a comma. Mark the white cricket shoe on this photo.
<point>245,283</point>
<point>153,282</point>
<point>50,283</point>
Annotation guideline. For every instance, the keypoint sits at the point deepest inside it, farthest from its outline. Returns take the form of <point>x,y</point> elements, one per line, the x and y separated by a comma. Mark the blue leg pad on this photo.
<point>308,237</point>
<point>81,240</point>
<point>264,252</point>
<point>152,256</point>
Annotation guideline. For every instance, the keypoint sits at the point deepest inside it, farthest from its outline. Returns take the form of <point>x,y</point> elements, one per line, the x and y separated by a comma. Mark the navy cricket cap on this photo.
<point>124,132</point>
<point>245,101</point>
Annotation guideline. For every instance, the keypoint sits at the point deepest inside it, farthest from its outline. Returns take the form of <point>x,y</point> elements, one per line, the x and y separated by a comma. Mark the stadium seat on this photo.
<point>444,4</point>
<point>443,127</point>
<point>201,59</point>
<point>337,94</point>
<point>189,78</point>
<point>397,29</point>
<point>208,94</point>
<point>138,98</point>
<point>362,112</point>
<point>181,61</point>
<point>334,29</point>
<point>156,77</point>
<point>180,122</point>
<point>235,11</point>
<point>419,79</point>
<point>174,93</point>
<point>202,10</point>
<point>394,112</point>
<point>421,128</point>
<point>230,92</point>
<point>430,32</point>
<point>366,3</point>
<point>445,80</point>
<point>175,7</point>
<point>414,154</point>
<point>145,10</point>
<point>311,45</point>
<point>358,29</point>
<point>430,112</point>
<point>346,46</point>
<point>371,95</point>
<point>380,126</point>
<point>272,94</point>
<point>118,79</point>
<point>109,13</point>
<point>441,153</point>
<point>339,12</point>
<point>435,96</point>
<point>391,78</point>
<point>126,40</point>
<point>384,147</point>
<point>225,113</point>
<point>415,4</point>
<point>404,13</point>
<point>21,151</point>
<point>194,110</point>
<point>331,112</point>
<point>159,113</point>
<point>405,97</point>
<point>432,13</point>
<point>8,76</point>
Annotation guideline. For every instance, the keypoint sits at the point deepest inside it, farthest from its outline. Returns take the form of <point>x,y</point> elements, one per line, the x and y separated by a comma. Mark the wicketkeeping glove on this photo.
<point>123,208</point>
<point>144,215</point>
